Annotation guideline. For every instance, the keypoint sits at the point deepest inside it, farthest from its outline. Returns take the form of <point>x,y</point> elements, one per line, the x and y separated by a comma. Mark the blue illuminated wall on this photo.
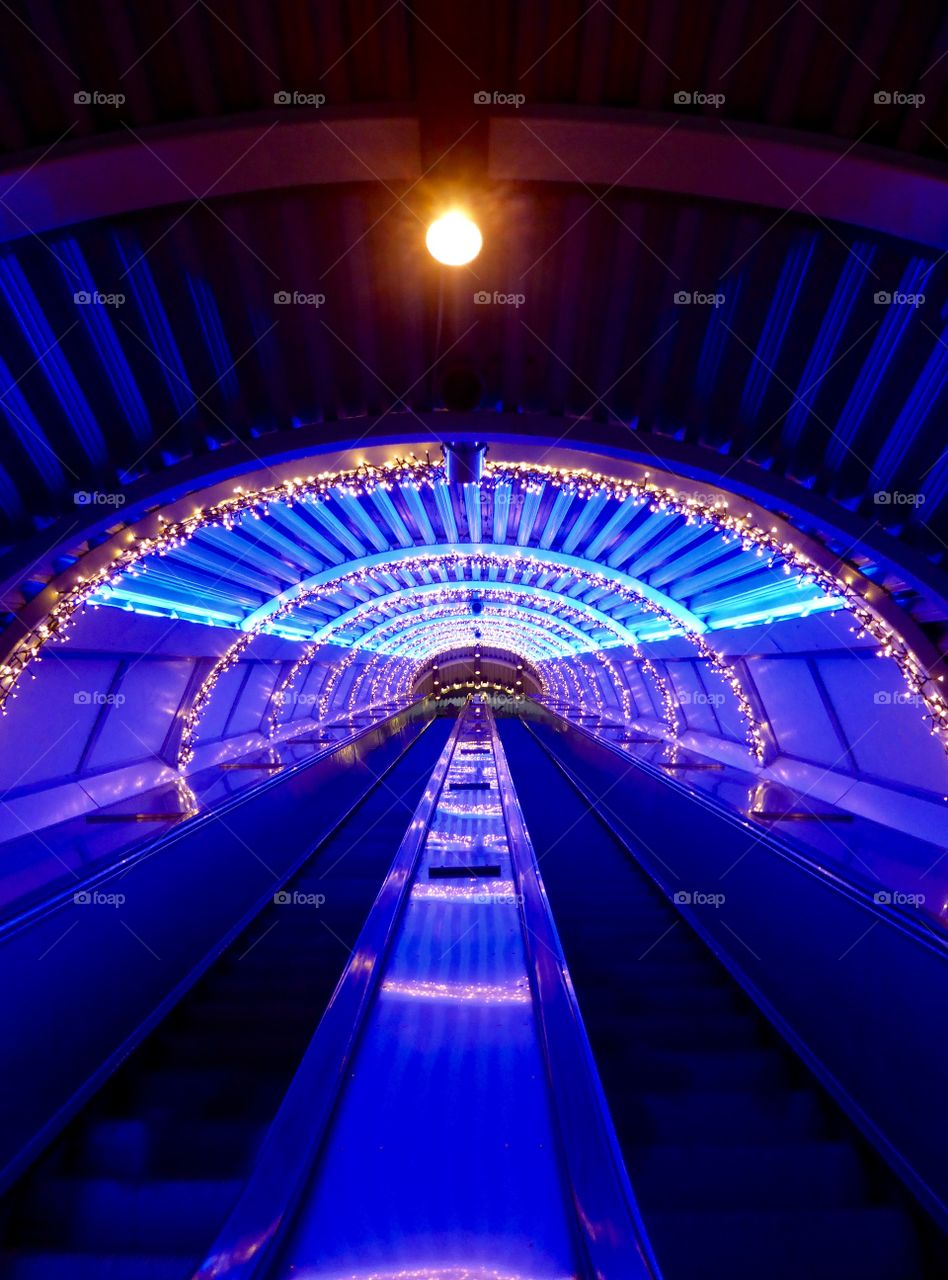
<point>101,722</point>
<point>838,725</point>
<point>102,718</point>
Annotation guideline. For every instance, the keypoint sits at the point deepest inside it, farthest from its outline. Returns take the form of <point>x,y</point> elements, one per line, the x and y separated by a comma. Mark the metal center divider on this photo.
<point>611,1229</point>
<point>291,1149</point>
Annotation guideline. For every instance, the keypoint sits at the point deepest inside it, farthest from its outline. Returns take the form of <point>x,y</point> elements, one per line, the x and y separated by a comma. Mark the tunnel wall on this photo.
<point>101,720</point>
<point>181,902</point>
<point>847,982</point>
<point>838,725</point>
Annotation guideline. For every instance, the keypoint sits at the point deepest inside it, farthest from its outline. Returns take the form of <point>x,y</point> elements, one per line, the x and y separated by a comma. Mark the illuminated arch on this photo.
<point>502,554</point>
<point>21,650</point>
<point>536,564</point>
<point>427,639</point>
<point>486,591</point>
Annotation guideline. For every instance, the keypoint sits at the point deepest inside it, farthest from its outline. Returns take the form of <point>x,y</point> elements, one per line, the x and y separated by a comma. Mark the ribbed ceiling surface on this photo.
<point>794,366</point>
<point>479,554</point>
<point>811,66</point>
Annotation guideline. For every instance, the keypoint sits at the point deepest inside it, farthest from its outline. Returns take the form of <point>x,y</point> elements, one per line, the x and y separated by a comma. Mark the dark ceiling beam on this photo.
<point>691,158</point>
<point>864,186</point>
<point>155,168</point>
<point>453,55</point>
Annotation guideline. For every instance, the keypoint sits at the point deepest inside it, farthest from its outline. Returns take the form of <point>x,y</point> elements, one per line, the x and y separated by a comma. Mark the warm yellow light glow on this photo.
<point>454,239</point>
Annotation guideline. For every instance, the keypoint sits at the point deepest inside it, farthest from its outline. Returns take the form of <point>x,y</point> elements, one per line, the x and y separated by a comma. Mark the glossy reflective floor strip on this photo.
<point>440,1161</point>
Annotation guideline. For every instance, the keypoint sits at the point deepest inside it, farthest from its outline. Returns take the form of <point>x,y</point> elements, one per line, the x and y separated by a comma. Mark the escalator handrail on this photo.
<point>917,927</point>
<point>611,1227</point>
<point>119,867</point>
<point>246,1243</point>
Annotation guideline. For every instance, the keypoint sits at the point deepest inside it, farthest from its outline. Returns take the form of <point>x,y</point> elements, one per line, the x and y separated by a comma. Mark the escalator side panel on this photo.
<point>139,1182</point>
<point>739,1161</point>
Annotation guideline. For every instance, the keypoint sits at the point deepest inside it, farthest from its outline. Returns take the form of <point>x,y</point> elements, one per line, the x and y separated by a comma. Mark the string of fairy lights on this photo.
<point>520,561</point>
<point>497,600</point>
<point>388,678</point>
<point>588,699</point>
<point>415,473</point>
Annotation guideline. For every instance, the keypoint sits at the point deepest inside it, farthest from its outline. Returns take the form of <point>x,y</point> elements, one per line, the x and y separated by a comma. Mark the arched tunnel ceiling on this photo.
<point>792,366</point>
<point>360,562</point>
<point>797,368</point>
<point>679,312</point>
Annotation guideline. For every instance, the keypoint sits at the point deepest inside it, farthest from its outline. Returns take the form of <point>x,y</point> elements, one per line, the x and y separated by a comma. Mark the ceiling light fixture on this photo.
<point>454,239</point>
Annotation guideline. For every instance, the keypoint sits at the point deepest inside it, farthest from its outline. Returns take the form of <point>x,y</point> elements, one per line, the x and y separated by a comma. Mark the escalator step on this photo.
<point>671,1030</point>
<point>749,1178</point>
<point>28,1265</point>
<point>742,1166</point>
<point>275,1051</point>
<point>744,1119</point>
<point>108,1214</point>
<point>137,1149</point>
<point>732,1069</point>
<point>873,1244</point>
<point>197,1090</point>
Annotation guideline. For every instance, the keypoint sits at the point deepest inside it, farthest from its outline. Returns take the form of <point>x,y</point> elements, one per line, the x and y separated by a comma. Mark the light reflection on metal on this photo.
<point>499,891</point>
<point>479,992</point>
<point>476,811</point>
<point>434,1272</point>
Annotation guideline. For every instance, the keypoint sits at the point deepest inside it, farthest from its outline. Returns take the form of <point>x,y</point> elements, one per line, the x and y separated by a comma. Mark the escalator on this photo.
<point>139,1183</point>
<point>386,1075</point>
<point>741,1164</point>
<point>446,1122</point>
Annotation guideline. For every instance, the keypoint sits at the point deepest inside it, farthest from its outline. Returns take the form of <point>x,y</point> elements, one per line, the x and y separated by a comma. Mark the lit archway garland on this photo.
<point>396,676</point>
<point>415,473</point>
<point>670,704</point>
<point>279,695</point>
<point>389,680</point>
<point>670,707</point>
<point>539,641</point>
<point>501,601</point>
<point>618,684</point>
<point>387,676</point>
<point>444,659</point>
<point>523,561</point>
<point>332,680</point>
<point>501,633</point>
<point>488,591</point>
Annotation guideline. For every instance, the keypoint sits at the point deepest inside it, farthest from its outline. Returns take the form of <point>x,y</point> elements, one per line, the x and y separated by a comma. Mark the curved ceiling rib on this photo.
<point>356,626</point>
<point>623,522</point>
<point>426,640</point>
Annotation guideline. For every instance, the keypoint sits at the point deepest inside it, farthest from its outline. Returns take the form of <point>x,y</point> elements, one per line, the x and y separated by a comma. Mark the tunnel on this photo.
<point>473,731</point>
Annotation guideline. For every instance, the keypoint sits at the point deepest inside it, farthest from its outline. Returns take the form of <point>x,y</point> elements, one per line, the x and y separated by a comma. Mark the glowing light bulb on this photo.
<point>454,239</point>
